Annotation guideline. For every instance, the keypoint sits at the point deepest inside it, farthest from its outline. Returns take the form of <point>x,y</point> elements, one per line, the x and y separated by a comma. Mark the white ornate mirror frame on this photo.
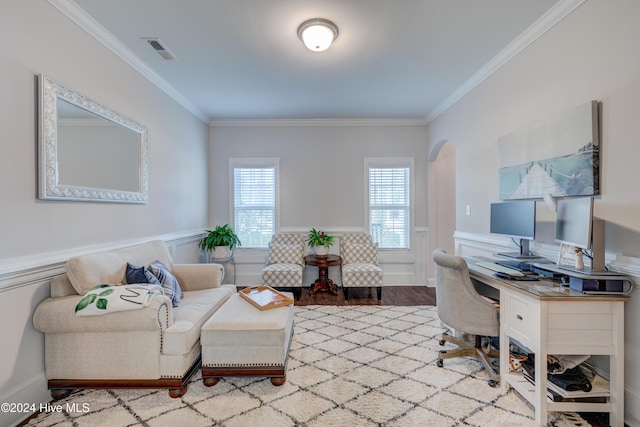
<point>52,96</point>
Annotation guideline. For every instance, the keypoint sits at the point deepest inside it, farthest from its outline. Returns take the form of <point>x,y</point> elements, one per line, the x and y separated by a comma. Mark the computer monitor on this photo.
<point>574,221</point>
<point>576,226</point>
<point>517,220</point>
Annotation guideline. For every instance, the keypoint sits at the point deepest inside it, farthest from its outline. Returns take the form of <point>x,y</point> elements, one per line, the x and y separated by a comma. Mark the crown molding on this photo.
<point>547,21</point>
<point>319,122</point>
<point>81,18</point>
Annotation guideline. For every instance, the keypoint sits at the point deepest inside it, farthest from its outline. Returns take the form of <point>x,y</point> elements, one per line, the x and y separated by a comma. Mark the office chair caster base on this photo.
<point>492,383</point>
<point>441,342</point>
<point>439,363</point>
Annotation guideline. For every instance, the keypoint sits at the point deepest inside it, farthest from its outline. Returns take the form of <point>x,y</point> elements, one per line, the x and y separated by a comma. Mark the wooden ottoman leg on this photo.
<point>210,381</point>
<point>60,393</point>
<point>178,392</point>
<point>278,381</point>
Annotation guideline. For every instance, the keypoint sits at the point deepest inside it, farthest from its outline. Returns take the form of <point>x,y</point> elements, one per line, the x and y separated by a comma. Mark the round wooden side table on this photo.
<point>323,283</point>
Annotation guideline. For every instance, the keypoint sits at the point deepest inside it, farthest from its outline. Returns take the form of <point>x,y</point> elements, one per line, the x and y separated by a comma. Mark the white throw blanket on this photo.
<point>105,299</point>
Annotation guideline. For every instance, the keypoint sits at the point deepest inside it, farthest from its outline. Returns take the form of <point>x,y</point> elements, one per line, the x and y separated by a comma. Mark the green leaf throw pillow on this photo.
<point>96,295</point>
<point>105,299</point>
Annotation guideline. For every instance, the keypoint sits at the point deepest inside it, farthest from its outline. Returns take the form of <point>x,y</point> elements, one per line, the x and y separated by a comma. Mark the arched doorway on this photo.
<point>441,200</point>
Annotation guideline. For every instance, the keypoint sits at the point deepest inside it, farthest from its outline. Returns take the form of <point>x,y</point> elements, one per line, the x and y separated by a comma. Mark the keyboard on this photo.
<point>516,265</point>
<point>500,268</point>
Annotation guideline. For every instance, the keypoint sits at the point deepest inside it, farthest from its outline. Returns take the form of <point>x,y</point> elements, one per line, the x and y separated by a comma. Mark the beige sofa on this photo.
<point>157,346</point>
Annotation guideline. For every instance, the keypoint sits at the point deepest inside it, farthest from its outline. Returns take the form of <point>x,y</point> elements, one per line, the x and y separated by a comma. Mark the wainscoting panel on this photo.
<point>401,267</point>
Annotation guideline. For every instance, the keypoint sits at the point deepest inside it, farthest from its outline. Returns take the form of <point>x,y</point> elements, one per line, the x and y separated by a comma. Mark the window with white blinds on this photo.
<point>389,204</point>
<point>254,202</point>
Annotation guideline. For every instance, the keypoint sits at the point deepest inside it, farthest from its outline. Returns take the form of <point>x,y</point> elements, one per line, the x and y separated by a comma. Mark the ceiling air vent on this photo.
<point>159,47</point>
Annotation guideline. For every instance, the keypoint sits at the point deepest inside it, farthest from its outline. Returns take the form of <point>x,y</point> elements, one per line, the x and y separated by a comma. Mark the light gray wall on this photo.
<point>34,234</point>
<point>591,54</point>
<point>322,182</point>
<point>44,41</point>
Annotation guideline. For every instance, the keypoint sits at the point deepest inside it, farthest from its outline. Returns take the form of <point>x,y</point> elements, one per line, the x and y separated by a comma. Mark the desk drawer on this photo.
<point>581,328</point>
<point>522,319</point>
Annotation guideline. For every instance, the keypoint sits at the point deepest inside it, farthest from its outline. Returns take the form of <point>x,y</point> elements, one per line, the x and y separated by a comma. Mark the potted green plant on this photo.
<point>220,242</point>
<point>319,240</point>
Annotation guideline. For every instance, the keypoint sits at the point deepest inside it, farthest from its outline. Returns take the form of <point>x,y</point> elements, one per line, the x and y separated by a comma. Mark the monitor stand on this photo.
<point>524,253</point>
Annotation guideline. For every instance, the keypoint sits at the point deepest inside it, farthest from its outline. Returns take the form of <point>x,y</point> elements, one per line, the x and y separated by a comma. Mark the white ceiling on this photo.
<point>242,59</point>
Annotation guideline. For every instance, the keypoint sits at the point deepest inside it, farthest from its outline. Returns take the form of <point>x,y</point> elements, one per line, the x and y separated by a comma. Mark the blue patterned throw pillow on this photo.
<point>135,274</point>
<point>153,280</point>
<point>139,274</point>
<point>168,281</point>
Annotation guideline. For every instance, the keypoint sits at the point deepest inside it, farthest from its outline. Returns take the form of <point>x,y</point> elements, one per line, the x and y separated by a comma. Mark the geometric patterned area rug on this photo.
<point>348,366</point>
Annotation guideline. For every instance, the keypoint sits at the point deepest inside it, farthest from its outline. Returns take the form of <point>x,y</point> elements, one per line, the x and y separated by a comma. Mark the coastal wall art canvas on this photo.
<point>559,156</point>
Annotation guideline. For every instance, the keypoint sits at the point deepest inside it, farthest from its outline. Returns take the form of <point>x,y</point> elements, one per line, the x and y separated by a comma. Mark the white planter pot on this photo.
<point>321,251</point>
<point>220,252</point>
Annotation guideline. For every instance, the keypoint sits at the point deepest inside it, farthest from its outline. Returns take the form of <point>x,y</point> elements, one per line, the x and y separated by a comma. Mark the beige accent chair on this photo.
<point>462,308</point>
<point>285,265</point>
<point>157,346</point>
<point>360,267</point>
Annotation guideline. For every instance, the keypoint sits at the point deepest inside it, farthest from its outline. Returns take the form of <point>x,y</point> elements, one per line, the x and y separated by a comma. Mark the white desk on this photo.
<point>550,319</point>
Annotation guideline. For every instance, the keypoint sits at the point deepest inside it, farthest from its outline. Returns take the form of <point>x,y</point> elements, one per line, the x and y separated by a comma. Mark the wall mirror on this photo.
<point>86,151</point>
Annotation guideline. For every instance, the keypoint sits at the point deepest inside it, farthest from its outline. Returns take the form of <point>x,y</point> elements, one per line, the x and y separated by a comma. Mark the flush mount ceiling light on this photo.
<point>317,34</point>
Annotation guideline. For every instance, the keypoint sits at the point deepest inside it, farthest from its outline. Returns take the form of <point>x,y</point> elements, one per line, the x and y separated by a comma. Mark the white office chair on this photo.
<point>461,307</point>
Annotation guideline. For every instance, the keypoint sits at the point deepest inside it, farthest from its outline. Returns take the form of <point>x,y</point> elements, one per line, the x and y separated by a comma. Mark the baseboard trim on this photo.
<point>32,391</point>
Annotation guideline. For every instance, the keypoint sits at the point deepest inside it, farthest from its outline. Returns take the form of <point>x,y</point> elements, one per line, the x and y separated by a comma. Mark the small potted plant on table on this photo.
<point>220,242</point>
<point>321,241</point>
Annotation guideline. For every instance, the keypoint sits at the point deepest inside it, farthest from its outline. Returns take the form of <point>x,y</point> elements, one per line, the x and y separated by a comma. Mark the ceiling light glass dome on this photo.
<point>317,34</point>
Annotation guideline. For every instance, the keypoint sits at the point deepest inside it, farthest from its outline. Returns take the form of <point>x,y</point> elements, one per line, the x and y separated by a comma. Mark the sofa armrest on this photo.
<point>196,277</point>
<point>61,286</point>
<point>57,315</point>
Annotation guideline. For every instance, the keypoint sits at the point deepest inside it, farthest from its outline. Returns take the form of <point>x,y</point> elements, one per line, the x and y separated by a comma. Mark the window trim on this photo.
<point>391,162</point>
<point>254,162</point>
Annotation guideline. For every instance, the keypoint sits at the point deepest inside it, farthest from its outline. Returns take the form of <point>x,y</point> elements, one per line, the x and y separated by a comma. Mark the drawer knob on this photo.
<point>518,317</point>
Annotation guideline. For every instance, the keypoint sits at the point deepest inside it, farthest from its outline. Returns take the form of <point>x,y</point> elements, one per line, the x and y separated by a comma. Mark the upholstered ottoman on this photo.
<point>241,340</point>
